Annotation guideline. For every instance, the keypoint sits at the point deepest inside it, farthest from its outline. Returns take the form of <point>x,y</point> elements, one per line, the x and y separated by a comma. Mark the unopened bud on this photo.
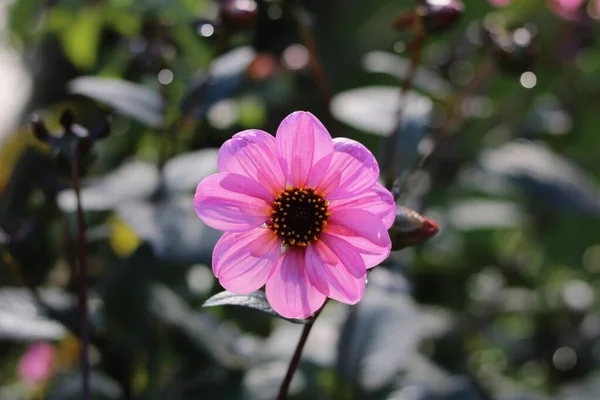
<point>410,228</point>
<point>67,119</point>
<point>439,15</point>
<point>238,14</point>
<point>39,128</point>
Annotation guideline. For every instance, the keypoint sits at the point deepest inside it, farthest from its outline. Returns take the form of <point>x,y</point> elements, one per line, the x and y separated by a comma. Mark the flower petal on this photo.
<point>377,200</point>
<point>251,153</point>
<point>362,230</point>
<point>304,149</point>
<point>243,261</point>
<point>361,223</point>
<point>371,254</point>
<point>232,202</point>
<point>336,269</point>
<point>289,290</point>
<point>353,170</point>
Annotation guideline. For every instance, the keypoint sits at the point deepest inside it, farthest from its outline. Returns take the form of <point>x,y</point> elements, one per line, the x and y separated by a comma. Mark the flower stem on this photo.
<point>83,308</point>
<point>307,35</point>
<point>390,143</point>
<point>285,384</point>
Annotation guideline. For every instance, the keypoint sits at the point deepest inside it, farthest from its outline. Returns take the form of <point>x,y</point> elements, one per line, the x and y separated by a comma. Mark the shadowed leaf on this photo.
<point>257,301</point>
<point>128,98</point>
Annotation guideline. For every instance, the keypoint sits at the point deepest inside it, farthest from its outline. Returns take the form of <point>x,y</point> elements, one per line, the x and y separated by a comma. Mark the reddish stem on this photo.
<point>285,384</point>
<point>83,296</point>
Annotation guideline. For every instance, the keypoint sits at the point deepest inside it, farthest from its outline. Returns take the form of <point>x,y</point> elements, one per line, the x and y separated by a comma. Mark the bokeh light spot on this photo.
<point>528,80</point>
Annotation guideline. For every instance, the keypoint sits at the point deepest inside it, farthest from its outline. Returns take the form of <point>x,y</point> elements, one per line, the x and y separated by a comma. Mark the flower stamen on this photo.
<point>304,212</point>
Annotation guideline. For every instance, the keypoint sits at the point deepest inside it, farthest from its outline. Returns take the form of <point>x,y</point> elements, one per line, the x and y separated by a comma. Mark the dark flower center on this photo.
<point>299,216</point>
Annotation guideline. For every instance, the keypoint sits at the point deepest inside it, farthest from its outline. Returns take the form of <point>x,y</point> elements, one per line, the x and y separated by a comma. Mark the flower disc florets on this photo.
<point>299,216</point>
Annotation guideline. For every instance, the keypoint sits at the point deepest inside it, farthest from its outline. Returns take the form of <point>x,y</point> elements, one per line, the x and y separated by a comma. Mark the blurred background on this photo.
<point>497,141</point>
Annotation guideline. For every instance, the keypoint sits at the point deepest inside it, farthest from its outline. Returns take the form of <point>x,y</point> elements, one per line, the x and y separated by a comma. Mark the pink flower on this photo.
<point>500,3</point>
<point>302,213</point>
<point>568,9</point>
<point>36,365</point>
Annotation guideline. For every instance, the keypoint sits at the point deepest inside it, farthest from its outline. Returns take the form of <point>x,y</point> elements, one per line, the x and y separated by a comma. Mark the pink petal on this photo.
<point>362,230</point>
<point>371,254</point>
<point>332,265</point>
<point>353,170</point>
<point>37,364</point>
<point>500,3</point>
<point>243,261</point>
<point>251,153</point>
<point>361,223</point>
<point>304,149</point>
<point>567,9</point>
<point>232,202</point>
<point>289,290</point>
<point>569,5</point>
<point>377,200</point>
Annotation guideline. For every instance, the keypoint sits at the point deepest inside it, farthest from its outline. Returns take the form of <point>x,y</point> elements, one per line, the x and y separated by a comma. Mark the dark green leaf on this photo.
<point>380,335</point>
<point>374,109</point>
<point>130,182</point>
<point>172,228</point>
<point>425,80</point>
<point>68,387</point>
<point>201,329</point>
<point>184,172</point>
<point>227,74</point>
<point>22,318</point>
<point>546,177</point>
<point>257,301</point>
<point>128,98</point>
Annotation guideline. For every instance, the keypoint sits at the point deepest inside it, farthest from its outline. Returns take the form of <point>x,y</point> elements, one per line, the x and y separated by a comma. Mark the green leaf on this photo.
<point>257,301</point>
<point>81,39</point>
<point>22,16</point>
<point>128,98</point>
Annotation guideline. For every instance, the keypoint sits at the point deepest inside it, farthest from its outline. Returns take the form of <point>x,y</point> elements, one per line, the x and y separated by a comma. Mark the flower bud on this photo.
<point>238,14</point>
<point>410,228</point>
<point>67,119</point>
<point>71,141</point>
<point>39,128</point>
<point>439,15</point>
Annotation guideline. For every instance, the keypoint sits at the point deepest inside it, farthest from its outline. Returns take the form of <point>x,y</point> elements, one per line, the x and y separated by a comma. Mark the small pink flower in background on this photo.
<point>500,3</point>
<point>37,364</point>
<point>302,213</point>
<point>568,9</point>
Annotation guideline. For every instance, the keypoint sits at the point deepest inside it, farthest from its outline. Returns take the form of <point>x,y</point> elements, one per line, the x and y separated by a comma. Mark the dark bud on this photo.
<point>514,50</point>
<point>39,129</point>
<point>72,143</point>
<point>67,119</point>
<point>439,15</point>
<point>410,228</point>
<point>238,14</point>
